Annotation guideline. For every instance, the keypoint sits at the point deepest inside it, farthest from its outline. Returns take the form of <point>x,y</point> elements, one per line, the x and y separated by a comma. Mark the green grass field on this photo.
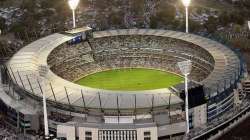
<point>130,79</point>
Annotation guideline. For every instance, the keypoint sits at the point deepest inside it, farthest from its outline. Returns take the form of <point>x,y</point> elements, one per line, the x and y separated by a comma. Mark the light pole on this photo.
<point>73,4</point>
<point>43,70</point>
<point>186,3</point>
<point>248,23</point>
<point>185,67</point>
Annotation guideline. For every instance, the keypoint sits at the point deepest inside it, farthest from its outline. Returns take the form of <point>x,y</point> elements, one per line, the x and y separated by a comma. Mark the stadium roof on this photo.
<point>24,69</point>
<point>78,30</point>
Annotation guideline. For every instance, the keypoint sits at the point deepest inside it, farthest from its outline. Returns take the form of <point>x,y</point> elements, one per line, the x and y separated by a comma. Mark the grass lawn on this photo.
<point>130,79</point>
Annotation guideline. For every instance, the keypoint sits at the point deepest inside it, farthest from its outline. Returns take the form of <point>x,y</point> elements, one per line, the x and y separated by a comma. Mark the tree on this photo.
<point>194,26</point>
<point>116,18</point>
<point>165,14</point>
<point>211,24</point>
<point>29,5</point>
<point>153,22</point>
<point>237,17</point>
<point>2,23</point>
<point>224,18</point>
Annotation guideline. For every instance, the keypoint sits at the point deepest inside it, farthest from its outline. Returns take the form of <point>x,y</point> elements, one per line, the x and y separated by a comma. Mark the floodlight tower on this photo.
<point>73,4</point>
<point>186,3</point>
<point>248,22</point>
<point>45,117</point>
<point>185,67</point>
<point>43,70</point>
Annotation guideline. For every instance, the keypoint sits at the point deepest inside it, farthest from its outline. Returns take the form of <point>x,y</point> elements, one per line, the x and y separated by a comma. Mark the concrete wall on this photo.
<point>82,130</point>
<point>34,121</point>
<point>68,132</point>
<point>152,130</point>
<point>172,129</point>
<point>200,115</point>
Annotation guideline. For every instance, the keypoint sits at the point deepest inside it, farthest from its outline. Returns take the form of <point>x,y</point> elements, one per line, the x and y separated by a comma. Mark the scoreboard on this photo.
<point>79,34</point>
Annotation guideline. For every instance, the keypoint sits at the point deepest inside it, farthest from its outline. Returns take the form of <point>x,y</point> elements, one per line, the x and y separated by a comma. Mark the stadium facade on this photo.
<point>51,64</point>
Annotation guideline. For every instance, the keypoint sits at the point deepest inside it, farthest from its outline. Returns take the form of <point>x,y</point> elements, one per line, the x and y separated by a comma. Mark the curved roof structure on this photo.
<point>25,71</point>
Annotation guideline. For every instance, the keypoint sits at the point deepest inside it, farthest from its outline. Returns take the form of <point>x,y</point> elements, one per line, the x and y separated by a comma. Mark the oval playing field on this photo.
<point>130,79</point>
